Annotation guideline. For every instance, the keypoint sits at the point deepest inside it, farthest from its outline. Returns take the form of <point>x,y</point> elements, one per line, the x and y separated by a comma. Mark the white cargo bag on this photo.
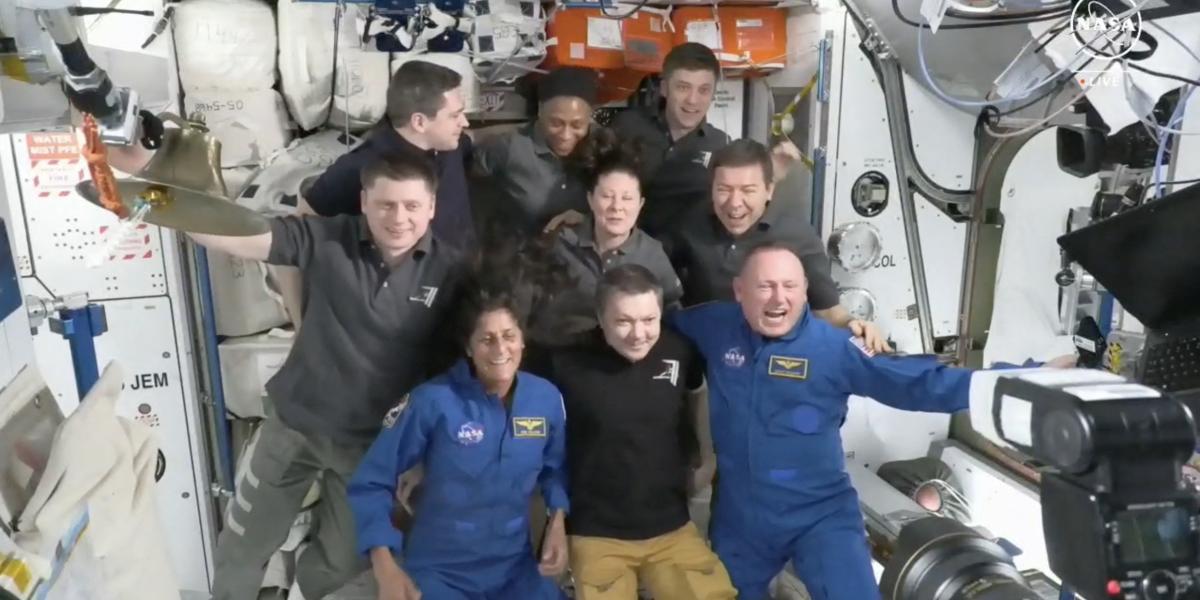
<point>226,45</point>
<point>306,59</point>
<point>244,301</point>
<point>250,125</point>
<point>361,76</point>
<point>508,39</point>
<point>274,190</point>
<point>247,363</point>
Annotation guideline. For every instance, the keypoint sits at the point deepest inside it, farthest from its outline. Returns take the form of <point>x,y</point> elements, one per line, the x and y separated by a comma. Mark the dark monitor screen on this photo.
<point>1148,258</point>
<point>1154,535</point>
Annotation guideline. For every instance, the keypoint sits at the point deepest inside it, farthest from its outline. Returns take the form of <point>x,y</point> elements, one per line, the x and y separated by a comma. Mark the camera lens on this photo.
<point>941,559</point>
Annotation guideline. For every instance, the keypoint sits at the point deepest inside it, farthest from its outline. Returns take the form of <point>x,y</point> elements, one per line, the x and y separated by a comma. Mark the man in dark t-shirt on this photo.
<point>633,425</point>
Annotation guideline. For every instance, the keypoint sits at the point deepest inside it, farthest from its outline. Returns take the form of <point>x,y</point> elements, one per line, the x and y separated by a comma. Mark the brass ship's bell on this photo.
<point>183,187</point>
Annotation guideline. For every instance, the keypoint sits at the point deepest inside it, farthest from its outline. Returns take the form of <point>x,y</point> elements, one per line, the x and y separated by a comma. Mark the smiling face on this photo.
<point>564,121</point>
<point>689,94</point>
<point>495,349</point>
<point>398,213</point>
<point>740,196</point>
<point>772,290</point>
<point>616,202</point>
<point>632,323</point>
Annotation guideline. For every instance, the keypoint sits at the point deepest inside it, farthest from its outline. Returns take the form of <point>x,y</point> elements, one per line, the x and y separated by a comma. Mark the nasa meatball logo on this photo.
<point>1102,33</point>
<point>734,357</point>
<point>470,433</point>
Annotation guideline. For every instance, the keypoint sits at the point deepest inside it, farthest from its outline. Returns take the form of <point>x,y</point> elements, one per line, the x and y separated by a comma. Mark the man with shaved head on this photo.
<point>779,380</point>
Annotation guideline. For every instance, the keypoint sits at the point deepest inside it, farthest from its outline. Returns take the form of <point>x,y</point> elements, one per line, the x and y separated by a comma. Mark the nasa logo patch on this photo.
<point>470,433</point>
<point>734,357</point>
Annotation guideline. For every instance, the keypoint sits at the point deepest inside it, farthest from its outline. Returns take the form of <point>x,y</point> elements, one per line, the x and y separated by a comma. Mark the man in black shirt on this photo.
<point>632,427</point>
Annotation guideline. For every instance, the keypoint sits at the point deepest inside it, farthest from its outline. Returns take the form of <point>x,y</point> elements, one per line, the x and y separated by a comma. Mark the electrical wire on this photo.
<point>1147,71</point>
<point>1040,122</point>
<point>978,103</point>
<point>990,23</point>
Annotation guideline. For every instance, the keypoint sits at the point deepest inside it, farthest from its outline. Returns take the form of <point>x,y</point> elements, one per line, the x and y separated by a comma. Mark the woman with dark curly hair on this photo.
<point>487,434</point>
<point>527,176</point>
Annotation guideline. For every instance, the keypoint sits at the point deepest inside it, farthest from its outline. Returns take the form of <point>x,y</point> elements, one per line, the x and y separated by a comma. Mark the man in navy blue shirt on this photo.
<point>425,115</point>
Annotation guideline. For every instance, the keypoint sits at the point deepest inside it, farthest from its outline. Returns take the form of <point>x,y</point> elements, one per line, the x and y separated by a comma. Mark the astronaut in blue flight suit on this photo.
<point>487,434</point>
<point>778,382</point>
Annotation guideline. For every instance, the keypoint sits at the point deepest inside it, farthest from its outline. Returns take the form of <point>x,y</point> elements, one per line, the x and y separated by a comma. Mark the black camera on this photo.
<point>1119,521</point>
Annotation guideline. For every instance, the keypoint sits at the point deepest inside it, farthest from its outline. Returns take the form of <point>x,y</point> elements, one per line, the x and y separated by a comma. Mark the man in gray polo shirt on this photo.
<point>709,247</point>
<point>379,286</point>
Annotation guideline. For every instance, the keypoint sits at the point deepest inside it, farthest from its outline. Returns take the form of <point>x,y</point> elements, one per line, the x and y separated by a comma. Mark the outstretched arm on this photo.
<point>916,383</point>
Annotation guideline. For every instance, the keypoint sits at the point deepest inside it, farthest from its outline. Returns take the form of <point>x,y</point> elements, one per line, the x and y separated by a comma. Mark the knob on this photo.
<point>1065,278</point>
<point>1159,585</point>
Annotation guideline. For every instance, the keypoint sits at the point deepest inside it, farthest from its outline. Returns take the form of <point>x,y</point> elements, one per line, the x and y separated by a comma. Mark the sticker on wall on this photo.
<point>55,165</point>
<point>135,244</point>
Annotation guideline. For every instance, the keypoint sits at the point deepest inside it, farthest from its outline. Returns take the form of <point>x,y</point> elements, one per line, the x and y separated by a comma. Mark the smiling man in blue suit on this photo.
<point>779,380</point>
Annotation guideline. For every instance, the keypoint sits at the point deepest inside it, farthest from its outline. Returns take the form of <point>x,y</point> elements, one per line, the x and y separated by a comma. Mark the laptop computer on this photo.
<point>1149,259</point>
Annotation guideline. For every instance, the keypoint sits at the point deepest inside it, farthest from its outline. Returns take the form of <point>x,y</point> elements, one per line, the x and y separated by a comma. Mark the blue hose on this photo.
<point>209,322</point>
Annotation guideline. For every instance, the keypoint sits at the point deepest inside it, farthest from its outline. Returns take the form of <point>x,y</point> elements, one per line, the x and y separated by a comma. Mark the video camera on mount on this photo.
<point>1119,521</point>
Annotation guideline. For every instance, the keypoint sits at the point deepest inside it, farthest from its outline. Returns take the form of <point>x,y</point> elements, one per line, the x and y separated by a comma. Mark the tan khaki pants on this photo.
<point>675,566</point>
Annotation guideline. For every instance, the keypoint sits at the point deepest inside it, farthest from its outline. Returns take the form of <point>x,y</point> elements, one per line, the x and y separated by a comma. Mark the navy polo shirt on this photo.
<point>338,190</point>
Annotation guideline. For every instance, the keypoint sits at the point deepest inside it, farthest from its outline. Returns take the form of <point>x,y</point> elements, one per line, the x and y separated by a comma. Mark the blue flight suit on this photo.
<point>776,408</point>
<point>470,537</point>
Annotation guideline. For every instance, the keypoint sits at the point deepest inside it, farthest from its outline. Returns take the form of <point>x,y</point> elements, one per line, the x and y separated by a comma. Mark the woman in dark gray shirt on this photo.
<point>527,176</point>
<point>607,237</point>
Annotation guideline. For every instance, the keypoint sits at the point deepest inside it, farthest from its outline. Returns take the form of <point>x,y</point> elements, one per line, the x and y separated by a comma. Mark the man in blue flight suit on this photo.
<point>778,381</point>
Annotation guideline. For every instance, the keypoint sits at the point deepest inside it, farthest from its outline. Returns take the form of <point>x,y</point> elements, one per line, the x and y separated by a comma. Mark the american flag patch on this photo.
<point>862,346</point>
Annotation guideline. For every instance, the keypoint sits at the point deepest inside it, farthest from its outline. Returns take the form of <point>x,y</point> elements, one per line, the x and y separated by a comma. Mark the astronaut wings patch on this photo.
<point>858,342</point>
<point>393,415</point>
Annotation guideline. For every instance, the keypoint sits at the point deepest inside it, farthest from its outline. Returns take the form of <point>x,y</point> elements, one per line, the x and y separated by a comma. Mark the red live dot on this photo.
<point>1081,81</point>
<point>1114,588</point>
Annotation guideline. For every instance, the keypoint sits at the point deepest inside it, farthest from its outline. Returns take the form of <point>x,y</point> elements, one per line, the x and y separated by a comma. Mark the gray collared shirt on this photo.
<point>371,332</point>
<point>575,311</point>
<point>528,183</point>
<point>708,257</point>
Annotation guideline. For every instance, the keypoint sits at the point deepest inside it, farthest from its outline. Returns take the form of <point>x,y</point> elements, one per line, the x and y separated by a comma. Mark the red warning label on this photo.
<point>55,164</point>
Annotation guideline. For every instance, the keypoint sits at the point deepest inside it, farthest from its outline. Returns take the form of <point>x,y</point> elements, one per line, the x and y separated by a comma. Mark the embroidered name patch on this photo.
<point>786,366</point>
<point>529,427</point>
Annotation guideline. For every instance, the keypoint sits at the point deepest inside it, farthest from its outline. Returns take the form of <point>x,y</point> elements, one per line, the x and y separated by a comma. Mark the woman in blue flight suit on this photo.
<point>487,434</point>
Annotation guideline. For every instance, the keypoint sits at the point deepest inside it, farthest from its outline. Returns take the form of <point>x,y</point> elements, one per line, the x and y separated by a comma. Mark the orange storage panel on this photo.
<point>617,85</point>
<point>647,38</point>
<point>583,37</point>
<point>744,38</point>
